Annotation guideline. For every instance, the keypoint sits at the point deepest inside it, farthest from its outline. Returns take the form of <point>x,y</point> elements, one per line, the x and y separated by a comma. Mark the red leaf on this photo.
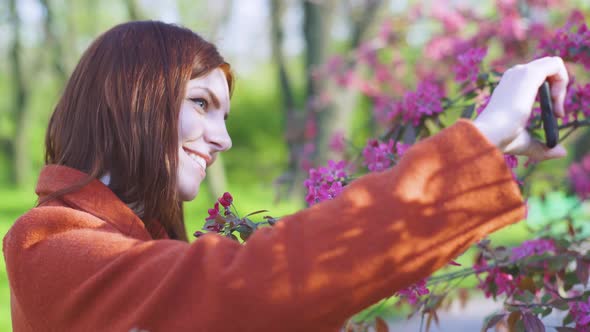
<point>381,325</point>
<point>532,323</point>
<point>582,270</point>
<point>493,321</point>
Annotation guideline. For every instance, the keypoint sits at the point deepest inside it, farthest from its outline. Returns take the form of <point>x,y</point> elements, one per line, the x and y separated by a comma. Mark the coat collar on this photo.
<point>94,198</point>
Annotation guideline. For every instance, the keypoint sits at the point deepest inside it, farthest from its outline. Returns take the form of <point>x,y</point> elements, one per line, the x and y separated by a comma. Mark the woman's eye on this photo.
<point>202,103</point>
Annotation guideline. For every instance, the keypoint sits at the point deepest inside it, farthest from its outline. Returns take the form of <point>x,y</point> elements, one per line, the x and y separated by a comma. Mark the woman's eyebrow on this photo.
<point>211,96</point>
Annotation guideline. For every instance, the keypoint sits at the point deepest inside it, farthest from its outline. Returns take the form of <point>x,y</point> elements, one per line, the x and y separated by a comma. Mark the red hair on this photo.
<point>119,114</point>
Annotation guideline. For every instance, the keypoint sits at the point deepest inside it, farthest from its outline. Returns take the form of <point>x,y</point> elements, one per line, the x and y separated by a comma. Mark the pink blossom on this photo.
<point>512,26</point>
<point>451,19</point>
<point>337,143</point>
<point>382,73</point>
<point>214,212</point>
<point>440,47</point>
<point>496,282</point>
<point>413,292</point>
<point>378,156</point>
<point>579,177</point>
<point>571,42</point>
<point>306,155</point>
<point>468,63</point>
<point>386,109</point>
<point>368,54</point>
<point>226,200</point>
<point>580,312</point>
<point>325,183</point>
<point>532,248</point>
<point>577,100</point>
<point>386,31</point>
<point>311,128</point>
<point>511,160</point>
<point>425,101</point>
<point>512,163</point>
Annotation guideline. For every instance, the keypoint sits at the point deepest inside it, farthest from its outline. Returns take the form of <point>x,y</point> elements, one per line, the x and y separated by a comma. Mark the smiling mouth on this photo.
<point>200,161</point>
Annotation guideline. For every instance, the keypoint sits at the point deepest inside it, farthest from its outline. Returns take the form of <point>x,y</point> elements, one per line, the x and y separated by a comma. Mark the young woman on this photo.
<point>139,122</point>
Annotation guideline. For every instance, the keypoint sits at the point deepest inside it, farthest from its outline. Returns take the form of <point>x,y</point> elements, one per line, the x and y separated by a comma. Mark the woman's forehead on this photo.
<point>214,80</point>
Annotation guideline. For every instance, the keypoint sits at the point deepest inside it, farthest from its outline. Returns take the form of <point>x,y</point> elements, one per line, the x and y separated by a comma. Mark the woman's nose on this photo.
<point>219,138</point>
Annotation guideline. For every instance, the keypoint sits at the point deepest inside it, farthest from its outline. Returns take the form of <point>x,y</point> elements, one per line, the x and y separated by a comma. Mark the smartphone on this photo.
<point>548,117</point>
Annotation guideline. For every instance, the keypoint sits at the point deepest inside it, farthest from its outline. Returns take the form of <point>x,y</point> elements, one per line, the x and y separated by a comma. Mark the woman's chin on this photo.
<point>187,195</point>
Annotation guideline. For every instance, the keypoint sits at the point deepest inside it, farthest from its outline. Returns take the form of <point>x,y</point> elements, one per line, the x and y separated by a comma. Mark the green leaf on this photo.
<point>233,237</point>
<point>568,319</point>
<point>526,297</point>
<point>558,304</point>
<point>245,235</point>
<point>255,212</point>
<point>468,112</point>
<point>471,94</point>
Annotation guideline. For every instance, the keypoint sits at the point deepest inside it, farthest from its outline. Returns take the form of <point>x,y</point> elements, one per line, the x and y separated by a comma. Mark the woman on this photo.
<point>144,112</point>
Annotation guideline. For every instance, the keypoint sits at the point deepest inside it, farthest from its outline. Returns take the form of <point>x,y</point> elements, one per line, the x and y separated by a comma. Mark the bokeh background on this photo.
<point>273,46</point>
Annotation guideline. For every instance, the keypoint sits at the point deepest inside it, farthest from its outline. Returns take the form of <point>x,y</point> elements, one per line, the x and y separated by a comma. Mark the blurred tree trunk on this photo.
<point>345,100</point>
<point>293,119</point>
<point>317,18</point>
<point>53,45</point>
<point>18,151</point>
<point>216,175</point>
<point>317,22</point>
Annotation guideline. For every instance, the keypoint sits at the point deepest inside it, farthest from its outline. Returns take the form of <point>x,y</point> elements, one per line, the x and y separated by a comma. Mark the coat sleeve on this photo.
<point>309,272</point>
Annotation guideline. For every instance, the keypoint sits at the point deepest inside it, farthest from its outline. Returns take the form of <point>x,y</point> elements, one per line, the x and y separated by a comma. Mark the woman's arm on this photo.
<point>312,270</point>
<point>307,273</point>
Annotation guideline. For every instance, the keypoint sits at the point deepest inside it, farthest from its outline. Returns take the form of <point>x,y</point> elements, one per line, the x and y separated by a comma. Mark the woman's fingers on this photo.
<point>554,70</point>
<point>525,145</point>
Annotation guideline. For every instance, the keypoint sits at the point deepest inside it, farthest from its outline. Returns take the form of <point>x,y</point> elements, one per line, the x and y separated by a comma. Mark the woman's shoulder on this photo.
<point>43,222</point>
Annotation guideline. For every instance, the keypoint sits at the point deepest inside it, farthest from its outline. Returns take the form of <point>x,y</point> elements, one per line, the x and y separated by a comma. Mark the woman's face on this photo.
<point>201,132</point>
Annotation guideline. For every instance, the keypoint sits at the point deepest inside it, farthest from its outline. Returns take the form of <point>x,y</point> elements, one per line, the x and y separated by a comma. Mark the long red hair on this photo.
<point>119,114</point>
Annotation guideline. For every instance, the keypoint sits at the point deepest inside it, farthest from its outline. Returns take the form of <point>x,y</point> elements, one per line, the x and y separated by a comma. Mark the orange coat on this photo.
<point>86,262</point>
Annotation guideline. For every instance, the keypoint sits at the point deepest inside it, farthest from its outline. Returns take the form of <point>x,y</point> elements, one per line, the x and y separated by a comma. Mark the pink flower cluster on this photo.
<point>225,200</point>
<point>577,100</point>
<point>325,183</point>
<point>415,105</point>
<point>337,142</point>
<point>378,156</point>
<point>413,292</point>
<point>580,312</point>
<point>425,101</point>
<point>468,63</point>
<point>512,163</point>
<point>579,177</point>
<point>497,282</point>
<point>532,248</point>
<point>571,42</point>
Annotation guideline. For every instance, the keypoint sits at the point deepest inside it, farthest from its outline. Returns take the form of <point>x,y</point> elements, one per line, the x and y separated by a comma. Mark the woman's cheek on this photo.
<point>191,124</point>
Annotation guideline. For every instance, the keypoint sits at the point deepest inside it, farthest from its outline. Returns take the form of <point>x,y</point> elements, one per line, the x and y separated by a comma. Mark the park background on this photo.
<point>266,41</point>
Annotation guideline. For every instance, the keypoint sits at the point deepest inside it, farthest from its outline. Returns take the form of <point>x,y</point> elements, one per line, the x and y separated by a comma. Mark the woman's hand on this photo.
<point>504,120</point>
